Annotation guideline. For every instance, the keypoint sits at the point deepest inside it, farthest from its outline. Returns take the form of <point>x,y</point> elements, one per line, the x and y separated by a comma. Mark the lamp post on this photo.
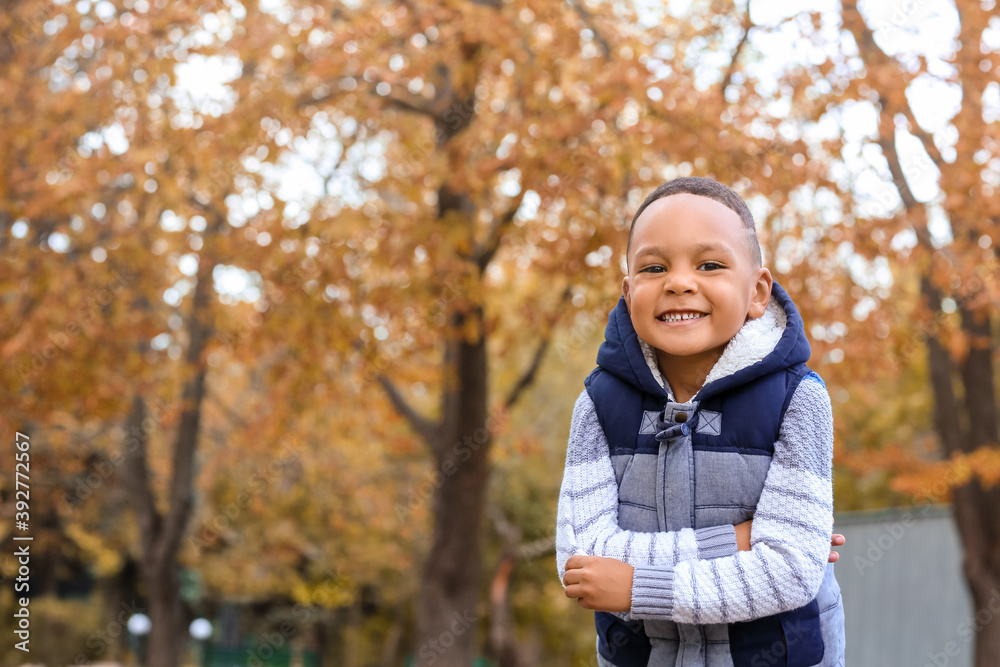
<point>139,626</point>
<point>200,630</point>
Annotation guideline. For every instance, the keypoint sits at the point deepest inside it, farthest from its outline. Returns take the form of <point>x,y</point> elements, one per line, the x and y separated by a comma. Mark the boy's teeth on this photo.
<point>683,316</point>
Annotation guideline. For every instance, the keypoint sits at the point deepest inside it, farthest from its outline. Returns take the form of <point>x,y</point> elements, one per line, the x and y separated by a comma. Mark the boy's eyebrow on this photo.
<point>704,246</point>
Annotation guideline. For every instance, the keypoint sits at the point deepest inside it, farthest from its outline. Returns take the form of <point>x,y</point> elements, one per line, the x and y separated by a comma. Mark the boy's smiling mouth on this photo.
<point>677,316</point>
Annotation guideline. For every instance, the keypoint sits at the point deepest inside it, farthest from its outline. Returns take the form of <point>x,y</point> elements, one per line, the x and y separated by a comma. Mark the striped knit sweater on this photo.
<point>698,576</point>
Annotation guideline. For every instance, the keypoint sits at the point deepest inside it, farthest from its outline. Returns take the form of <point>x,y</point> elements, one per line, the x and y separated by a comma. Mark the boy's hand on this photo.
<point>743,540</point>
<point>599,584</point>
<point>836,540</point>
<point>605,584</point>
<point>743,535</point>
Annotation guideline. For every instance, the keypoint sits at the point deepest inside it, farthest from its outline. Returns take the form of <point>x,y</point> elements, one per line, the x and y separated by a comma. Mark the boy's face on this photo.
<point>689,256</point>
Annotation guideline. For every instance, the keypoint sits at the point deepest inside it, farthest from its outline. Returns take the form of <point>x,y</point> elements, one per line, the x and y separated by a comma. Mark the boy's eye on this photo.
<point>655,268</point>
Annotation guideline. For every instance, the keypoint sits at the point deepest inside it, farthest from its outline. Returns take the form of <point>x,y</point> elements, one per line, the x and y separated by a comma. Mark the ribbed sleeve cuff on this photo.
<point>716,541</point>
<point>652,592</point>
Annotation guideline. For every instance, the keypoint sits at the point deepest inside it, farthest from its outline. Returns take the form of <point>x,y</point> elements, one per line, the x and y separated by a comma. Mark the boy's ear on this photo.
<point>761,293</point>
<point>628,297</point>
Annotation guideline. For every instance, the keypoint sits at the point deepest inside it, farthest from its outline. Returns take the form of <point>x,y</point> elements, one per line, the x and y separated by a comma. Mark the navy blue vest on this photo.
<point>751,403</point>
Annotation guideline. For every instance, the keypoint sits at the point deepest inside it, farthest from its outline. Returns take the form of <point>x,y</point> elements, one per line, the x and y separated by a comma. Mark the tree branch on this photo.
<point>510,533</point>
<point>747,25</point>
<point>393,101</point>
<point>871,53</point>
<point>425,428</point>
<point>146,515</point>
<point>234,419</point>
<point>400,103</point>
<point>888,146</point>
<point>941,370</point>
<point>588,20</point>
<point>485,251</point>
<point>200,331</point>
<point>887,142</point>
<point>528,377</point>
<point>925,137</point>
<point>941,366</point>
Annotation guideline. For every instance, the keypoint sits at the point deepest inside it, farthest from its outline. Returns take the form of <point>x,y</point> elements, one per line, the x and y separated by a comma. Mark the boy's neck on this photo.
<point>686,375</point>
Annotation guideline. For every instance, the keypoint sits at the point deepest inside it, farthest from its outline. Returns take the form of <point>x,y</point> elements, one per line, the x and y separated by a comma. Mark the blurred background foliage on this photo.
<point>266,265</point>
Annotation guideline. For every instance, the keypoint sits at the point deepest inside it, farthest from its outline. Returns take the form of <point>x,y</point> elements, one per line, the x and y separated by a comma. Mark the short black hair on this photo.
<point>704,187</point>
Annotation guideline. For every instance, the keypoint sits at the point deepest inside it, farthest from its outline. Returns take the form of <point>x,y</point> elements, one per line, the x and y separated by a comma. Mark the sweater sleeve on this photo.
<point>587,515</point>
<point>789,540</point>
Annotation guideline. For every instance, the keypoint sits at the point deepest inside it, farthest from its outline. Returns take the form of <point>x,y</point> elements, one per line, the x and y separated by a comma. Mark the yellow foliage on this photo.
<point>104,558</point>
<point>586,108</point>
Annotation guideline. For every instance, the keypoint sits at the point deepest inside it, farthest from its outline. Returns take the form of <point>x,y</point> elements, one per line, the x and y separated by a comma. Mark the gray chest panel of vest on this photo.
<point>684,488</point>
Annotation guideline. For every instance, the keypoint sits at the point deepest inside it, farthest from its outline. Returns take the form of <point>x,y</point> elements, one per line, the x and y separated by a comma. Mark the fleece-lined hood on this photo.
<point>775,340</point>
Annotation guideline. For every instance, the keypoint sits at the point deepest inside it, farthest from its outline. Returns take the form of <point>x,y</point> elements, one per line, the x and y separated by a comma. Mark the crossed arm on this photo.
<point>755,569</point>
<point>587,516</point>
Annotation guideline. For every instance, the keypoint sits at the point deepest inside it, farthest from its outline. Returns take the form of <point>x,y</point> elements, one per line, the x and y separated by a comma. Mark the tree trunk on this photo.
<point>157,563</point>
<point>447,606</point>
<point>962,426</point>
<point>161,533</point>
<point>460,441</point>
<point>166,635</point>
<point>974,507</point>
<point>978,524</point>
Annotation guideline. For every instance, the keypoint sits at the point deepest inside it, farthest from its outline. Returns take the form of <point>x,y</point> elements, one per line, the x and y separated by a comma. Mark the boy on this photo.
<point>696,506</point>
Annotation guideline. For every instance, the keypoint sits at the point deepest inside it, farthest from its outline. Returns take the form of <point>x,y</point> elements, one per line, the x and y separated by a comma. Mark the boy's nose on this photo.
<point>679,282</point>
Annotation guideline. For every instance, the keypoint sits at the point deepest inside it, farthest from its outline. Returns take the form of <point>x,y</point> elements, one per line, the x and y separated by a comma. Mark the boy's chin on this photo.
<point>674,352</point>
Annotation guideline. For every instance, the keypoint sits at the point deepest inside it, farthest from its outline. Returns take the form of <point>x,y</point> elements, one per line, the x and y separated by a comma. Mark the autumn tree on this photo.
<point>116,219</point>
<point>513,140</point>
<point>897,260</point>
<point>418,198</point>
<point>955,278</point>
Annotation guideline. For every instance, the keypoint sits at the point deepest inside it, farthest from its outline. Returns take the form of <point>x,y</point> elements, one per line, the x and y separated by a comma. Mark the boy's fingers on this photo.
<point>574,562</point>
